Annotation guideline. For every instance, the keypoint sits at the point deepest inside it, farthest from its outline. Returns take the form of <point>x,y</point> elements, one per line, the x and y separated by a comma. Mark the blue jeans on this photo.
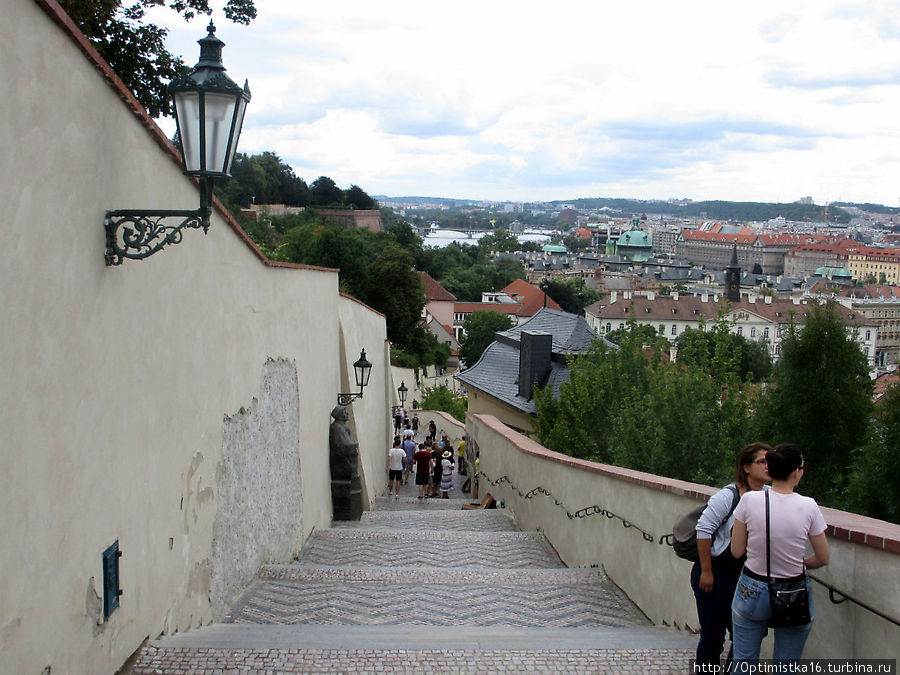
<point>714,613</point>
<point>750,616</point>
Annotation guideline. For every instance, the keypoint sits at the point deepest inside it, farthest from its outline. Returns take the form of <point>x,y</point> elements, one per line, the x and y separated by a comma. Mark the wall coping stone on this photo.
<point>842,525</point>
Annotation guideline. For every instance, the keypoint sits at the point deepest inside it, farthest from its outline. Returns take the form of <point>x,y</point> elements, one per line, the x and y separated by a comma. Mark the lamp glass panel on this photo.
<point>219,115</point>
<point>187,109</point>
<point>238,123</point>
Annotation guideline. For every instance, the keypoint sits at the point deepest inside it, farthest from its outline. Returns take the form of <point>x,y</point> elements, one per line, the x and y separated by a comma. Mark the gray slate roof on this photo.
<point>497,371</point>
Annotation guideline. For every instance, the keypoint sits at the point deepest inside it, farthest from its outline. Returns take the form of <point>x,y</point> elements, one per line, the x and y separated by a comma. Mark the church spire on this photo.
<point>733,277</point>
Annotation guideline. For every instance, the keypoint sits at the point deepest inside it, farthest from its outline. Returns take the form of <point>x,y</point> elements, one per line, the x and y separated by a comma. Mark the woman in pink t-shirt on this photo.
<point>794,520</point>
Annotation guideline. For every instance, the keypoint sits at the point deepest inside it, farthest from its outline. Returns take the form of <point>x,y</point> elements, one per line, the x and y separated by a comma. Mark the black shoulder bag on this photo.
<point>788,598</point>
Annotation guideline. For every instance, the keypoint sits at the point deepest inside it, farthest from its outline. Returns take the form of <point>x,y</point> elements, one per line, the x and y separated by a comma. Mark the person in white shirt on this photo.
<point>715,575</point>
<point>794,520</point>
<point>395,466</point>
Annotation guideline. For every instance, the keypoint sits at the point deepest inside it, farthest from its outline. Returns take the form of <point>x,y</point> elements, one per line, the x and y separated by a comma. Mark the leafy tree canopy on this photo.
<point>821,400</point>
<point>136,49</point>
<point>499,240</point>
<point>324,192</point>
<point>872,488</point>
<point>441,398</point>
<point>719,352</point>
<point>479,333</point>
<point>262,179</point>
<point>634,408</point>
<point>572,295</point>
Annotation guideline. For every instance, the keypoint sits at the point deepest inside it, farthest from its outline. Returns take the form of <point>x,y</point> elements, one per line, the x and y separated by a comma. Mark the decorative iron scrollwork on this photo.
<point>347,399</point>
<point>147,233</point>
<point>592,510</point>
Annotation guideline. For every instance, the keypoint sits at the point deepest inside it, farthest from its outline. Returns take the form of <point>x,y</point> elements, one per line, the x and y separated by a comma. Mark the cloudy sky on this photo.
<point>764,100</point>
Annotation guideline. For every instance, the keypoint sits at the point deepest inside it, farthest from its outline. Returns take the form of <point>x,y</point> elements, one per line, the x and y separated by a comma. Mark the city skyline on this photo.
<point>771,102</point>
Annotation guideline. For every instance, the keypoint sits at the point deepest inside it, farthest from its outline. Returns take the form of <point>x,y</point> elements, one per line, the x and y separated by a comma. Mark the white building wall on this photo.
<point>122,386</point>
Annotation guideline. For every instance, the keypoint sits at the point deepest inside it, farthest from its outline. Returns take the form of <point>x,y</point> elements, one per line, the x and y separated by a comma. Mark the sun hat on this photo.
<point>447,454</point>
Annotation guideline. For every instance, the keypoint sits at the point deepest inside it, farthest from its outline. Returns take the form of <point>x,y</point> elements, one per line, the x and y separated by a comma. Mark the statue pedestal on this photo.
<point>346,499</point>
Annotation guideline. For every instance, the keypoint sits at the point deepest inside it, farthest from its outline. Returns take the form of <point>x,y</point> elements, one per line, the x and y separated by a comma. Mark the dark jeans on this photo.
<point>714,612</point>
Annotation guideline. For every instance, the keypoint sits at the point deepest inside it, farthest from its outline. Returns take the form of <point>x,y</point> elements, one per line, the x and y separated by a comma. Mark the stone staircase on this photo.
<point>423,586</point>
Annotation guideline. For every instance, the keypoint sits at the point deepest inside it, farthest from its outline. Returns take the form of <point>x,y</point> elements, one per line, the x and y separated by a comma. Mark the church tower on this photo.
<point>733,278</point>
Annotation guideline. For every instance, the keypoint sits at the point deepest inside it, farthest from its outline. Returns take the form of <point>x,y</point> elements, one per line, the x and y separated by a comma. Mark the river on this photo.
<point>443,238</point>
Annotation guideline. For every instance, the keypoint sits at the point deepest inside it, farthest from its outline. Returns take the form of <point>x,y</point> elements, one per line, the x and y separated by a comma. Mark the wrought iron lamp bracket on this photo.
<point>347,399</point>
<point>148,233</point>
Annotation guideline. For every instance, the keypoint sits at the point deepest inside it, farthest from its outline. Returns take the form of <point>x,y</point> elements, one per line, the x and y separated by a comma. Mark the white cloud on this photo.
<point>768,100</point>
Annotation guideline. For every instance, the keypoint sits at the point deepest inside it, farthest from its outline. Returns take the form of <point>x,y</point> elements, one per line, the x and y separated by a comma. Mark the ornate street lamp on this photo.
<point>209,112</point>
<point>401,392</point>
<point>362,369</point>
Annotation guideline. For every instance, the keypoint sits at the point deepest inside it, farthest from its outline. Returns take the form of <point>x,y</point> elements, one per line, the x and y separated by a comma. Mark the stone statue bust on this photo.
<point>343,449</point>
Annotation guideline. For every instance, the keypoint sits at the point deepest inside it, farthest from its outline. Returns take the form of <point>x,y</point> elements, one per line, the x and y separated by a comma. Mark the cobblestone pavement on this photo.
<point>500,600</point>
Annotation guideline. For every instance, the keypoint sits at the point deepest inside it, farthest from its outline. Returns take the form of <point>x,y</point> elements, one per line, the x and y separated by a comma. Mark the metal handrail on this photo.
<point>833,591</point>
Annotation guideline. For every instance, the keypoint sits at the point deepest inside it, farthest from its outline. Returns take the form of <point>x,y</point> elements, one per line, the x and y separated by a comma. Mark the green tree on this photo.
<point>634,408</point>
<point>136,49</point>
<point>324,192</point>
<point>499,240</point>
<point>821,400</point>
<point>479,330</point>
<point>872,488</point>
<point>718,352</point>
<point>572,295</point>
<point>356,198</point>
<point>396,292</point>
<point>262,179</point>
<point>441,398</point>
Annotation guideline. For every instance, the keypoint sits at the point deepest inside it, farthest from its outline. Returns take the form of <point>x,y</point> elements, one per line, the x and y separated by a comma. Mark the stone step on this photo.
<point>490,520</point>
<point>413,503</point>
<point>374,603</point>
<point>427,548</point>
<point>425,660</point>
<point>417,637</point>
<point>430,576</point>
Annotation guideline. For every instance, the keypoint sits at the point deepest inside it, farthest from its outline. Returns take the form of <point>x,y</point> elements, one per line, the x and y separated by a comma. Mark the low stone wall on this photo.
<point>604,516</point>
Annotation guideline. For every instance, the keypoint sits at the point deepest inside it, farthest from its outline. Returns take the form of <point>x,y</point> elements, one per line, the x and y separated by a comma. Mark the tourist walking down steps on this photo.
<point>446,474</point>
<point>395,467</point>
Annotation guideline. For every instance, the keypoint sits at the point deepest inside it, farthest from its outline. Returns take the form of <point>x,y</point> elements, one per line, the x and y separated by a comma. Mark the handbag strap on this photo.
<point>768,556</point>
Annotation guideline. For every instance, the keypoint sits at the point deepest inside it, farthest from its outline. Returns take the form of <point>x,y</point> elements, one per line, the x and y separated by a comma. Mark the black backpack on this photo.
<point>684,534</point>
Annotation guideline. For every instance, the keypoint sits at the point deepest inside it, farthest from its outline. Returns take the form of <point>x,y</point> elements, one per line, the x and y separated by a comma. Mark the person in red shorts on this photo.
<point>423,460</point>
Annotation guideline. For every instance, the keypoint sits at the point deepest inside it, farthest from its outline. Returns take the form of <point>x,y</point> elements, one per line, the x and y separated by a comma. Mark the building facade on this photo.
<point>761,319</point>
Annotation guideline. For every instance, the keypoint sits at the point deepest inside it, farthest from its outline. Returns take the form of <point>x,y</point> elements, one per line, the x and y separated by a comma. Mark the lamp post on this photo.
<point>209,113</point>
<point>362,369</point>
<point>401,392</point>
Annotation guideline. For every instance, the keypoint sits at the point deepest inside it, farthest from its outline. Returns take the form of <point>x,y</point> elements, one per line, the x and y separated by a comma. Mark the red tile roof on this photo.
<point>529,296</point>
<point>434,291</point>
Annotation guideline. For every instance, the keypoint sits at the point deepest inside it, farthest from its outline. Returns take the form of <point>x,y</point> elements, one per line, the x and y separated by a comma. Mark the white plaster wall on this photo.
<point>116,380</point>
<point>370,416</point>
<point>650,573</point>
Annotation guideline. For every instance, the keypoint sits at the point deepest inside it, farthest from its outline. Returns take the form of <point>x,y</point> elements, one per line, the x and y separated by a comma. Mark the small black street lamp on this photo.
<point>362,369</point>
<point>209,112</point>
<point>401,392</point>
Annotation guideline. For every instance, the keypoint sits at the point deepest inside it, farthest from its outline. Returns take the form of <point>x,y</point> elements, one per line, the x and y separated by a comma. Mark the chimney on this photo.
<point>752,299</point>
<point>704,298</point>
<point>535,350</point>
<point>768,299</point>
<point>651,296</point>
<point>675,297</point>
